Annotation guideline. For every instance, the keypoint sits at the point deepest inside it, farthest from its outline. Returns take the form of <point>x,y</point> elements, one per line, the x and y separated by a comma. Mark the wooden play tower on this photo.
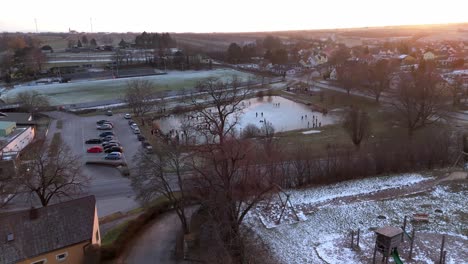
<point>387,241</point>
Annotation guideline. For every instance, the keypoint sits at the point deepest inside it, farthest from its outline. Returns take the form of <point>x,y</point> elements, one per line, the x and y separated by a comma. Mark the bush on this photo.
<point>250,131</point>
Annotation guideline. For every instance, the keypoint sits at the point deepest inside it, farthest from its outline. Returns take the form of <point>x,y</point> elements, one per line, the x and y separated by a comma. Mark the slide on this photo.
<point>396,257</point>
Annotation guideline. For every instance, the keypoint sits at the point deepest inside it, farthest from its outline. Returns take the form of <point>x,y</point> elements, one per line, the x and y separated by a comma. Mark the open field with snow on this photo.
<point>98,90</point>
<point>321,233</point>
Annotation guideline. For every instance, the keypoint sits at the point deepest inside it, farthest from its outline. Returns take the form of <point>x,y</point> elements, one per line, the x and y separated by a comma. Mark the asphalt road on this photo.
<point>157,243</point>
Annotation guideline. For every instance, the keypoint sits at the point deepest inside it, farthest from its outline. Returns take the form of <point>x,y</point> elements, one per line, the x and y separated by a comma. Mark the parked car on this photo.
<point>147,146</point>
<point>131,122</point>
<point>136,130</point>
<point>104,127</point>
<point>106,143</point>
<point>114,149</point>
<point>100,122</point>
<point>141,137</point>
<point>95,149</point>
<point>108,122</point>
<point>93,141</point>
<point>109,113</point>
<point>111,145</point>
<point>109,138</point>
<point>133,125</point>
<point>107,133</point>
<point>127,116</point>
<point>114,156</point>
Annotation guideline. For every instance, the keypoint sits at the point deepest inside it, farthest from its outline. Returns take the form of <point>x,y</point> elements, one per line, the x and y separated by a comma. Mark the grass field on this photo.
<point>99,90</point>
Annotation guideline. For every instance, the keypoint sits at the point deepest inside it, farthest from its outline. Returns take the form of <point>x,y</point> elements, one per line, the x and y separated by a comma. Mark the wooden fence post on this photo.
<point>411,244</point>
<point>358,235</point>
<point>352,239</point>
<point>442,250</point>
<point>404,230</point>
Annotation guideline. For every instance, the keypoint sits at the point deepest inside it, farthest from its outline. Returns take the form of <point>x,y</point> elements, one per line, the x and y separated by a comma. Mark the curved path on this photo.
<point>157,243</point>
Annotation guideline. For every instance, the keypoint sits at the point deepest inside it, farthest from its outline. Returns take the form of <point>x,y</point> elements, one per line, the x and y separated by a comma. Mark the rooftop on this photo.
<point>19,118</point>
<point>30,233</point>
<point>389,231</point>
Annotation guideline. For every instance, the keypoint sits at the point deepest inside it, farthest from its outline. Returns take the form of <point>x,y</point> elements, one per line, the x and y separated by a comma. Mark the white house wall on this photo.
<point>21,141</point>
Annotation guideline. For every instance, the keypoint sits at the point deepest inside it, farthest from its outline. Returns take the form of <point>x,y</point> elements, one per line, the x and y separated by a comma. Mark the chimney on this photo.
<point>33,213</point>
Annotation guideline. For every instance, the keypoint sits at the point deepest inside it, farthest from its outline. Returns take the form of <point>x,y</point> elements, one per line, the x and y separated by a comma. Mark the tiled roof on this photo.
<point>47,229</point>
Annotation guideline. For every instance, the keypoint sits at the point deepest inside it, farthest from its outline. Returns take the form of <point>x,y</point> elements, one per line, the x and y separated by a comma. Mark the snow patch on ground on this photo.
<point>355,187</point>
<point>324,236</point>
<point>311,132</point>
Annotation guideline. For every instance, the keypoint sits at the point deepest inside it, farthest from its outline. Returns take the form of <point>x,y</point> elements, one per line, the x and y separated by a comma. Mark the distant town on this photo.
<point>315,146</point>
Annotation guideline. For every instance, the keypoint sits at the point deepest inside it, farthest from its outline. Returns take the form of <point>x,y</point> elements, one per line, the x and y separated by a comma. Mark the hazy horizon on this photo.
<point>207,16</point>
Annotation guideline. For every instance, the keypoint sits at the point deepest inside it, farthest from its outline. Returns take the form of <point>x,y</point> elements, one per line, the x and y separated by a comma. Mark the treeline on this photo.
<point>154,41</point>
<point>271,48</point>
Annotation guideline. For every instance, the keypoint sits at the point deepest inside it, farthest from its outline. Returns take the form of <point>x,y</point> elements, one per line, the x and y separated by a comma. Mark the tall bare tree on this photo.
<point>161,175</point>
<point>32,101</point>
<point>357,124</point>
<point>51,175</point>
<point>419,97</point>
<point>139,96</point>
<point>227,179</point>
<point>379,76</point>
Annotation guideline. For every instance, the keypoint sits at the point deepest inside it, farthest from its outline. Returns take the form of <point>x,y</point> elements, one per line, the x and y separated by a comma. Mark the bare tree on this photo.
<point>228,181</point>
<point>379,76</point>
<point>357,124</point>
<point>139,96</point>
<point>419,98</point>
<point>32,101</point>
<point>52,174</point>
<point>456,90</point>
<point>161,175</point>
<point>351,74</point>
<point>220,120</point>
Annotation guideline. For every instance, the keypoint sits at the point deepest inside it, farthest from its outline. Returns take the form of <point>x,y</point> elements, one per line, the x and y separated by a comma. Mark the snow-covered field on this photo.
<point>99,90</point>
<point>322,237</point>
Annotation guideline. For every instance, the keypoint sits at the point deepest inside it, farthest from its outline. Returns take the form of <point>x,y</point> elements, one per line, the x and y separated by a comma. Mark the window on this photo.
<point>42,261</point>
<point>62,256</point>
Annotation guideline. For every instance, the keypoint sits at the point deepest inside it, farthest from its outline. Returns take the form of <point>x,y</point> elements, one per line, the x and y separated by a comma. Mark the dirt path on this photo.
<point>389,193</point>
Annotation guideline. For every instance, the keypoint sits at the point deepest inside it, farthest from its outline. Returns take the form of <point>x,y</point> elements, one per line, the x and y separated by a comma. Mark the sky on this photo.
<point>223,15</point>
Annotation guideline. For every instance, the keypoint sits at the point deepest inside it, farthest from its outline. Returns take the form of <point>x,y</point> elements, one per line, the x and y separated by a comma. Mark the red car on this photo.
<point>95,149</point>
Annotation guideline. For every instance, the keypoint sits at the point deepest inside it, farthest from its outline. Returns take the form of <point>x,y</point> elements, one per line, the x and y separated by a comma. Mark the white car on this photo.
<point>127,116</point>
<point>136,130</point>
<point>104,127</point>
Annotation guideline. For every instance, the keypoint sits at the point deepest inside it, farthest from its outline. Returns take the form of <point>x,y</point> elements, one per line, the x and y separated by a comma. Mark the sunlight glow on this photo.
<point>225,16</point>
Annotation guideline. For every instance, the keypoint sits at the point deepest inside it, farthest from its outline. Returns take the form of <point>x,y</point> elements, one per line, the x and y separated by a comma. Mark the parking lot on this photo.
<point>113,191</point>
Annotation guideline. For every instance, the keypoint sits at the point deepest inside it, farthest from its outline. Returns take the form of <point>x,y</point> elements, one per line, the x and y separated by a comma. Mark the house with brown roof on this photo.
<point>60,233</point>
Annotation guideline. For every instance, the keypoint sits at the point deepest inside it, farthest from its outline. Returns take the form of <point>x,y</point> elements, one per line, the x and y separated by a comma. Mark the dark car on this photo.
<point>109,138</point>
<point>113,149</point>
<point>111,145</point>
<point>93,141</point>
<point>107,133</point>
<point>107,143</point>
<point>130,122</point>
<point>100,122</point>
<point>141,137</point>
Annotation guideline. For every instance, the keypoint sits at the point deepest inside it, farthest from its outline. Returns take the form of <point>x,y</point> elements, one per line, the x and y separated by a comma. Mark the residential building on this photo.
<point>429,56</point>
<point>60,233</point>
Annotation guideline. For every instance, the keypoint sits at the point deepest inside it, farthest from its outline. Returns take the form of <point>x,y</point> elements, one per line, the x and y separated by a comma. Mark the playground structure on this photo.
<point>387,242</point>
<point>389,238</point>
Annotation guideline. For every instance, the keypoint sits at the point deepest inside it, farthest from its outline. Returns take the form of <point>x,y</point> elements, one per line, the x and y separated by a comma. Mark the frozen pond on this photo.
<point>284,114</point>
